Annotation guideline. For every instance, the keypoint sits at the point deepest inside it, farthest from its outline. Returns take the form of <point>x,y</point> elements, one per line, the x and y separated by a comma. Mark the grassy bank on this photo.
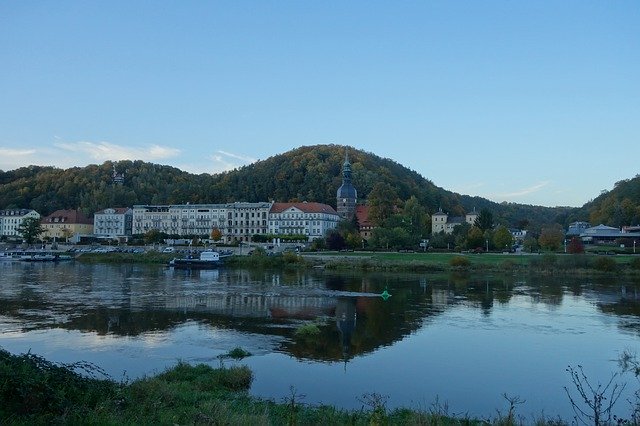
<point>493,262</point>
<point>35,391</point>
<point>407,262</point>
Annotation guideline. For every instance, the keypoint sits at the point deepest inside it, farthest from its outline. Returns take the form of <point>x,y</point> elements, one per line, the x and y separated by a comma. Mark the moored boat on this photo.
<point>206,260</point>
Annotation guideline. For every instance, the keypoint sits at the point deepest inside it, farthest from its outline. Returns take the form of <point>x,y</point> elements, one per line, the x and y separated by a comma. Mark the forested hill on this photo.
<point>311,173</point>
<point>618,207</point>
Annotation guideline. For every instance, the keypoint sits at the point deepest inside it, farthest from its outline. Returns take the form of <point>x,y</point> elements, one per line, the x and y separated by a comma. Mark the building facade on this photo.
<point>11,219</point>
<point>442,222</point>
<point>312,220</point>
<point>365,226</point>
<point>346,196</point>
<point>113,222</point>
<point>65,224</point>
<point>236,221</point>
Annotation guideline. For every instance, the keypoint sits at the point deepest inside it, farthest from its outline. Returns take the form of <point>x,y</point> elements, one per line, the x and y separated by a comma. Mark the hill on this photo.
<point>618,207</point>
<point>311,173</point>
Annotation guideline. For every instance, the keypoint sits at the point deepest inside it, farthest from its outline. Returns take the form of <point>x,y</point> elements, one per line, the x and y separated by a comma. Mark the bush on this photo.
<point>635,263</point>
<point>307,330</point>
<point>459,262</point>
<point>605,264</point>
<point>238,353</point>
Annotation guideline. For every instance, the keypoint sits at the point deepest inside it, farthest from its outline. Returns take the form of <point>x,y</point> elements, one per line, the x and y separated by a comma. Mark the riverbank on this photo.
<point>36,391</point>
<point>408,262</point>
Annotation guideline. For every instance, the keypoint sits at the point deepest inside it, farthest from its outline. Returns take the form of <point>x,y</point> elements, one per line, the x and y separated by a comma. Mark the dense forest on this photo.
<point>311,173</point>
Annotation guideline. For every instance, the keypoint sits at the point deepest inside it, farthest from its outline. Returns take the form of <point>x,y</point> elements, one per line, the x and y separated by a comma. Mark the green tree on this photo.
<point>502,238</point>
<point>153,236</point>
<point>418,217</point>
<point>382,200</point>
<point>30,229</point>
<point>475,238</point>
<point>334,240</point>
<point>484,221</point>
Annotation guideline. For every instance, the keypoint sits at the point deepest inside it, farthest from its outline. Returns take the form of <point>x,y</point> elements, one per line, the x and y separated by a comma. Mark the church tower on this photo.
<point>346,196</point>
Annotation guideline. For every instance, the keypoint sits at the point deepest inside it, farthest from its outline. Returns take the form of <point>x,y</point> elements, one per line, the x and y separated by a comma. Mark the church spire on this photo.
<point>347,195</point>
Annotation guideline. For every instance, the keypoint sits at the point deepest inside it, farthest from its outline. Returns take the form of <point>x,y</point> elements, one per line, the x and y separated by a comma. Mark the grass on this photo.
<point>495,262</point>
<point>35,391</point>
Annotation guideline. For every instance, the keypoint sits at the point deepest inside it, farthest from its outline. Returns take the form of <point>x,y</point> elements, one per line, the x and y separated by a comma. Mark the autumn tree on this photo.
<point>575,246</point>
<point>216,235</point>
<point>551,237</point>
<point>475,238</point>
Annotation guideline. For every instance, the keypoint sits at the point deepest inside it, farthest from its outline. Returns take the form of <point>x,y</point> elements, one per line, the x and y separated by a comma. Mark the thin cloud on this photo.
<point>8,152</point>
<point>237,156</point>
<point>102,151</point>
<point>526,191</point>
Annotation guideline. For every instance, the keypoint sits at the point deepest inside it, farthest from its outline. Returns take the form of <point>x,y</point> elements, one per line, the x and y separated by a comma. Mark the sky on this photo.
<point>533,102</point>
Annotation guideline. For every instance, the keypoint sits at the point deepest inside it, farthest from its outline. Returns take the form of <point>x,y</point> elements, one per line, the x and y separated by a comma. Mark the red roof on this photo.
<point>305,207</point>
<point>362,214</point>
<point>67,216</point>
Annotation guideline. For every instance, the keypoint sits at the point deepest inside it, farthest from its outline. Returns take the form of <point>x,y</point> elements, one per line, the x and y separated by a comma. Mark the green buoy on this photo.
<point>385,294</point>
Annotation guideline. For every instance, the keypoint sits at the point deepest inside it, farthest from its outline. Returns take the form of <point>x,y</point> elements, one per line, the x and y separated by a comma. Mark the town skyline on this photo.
<point>502,101</point>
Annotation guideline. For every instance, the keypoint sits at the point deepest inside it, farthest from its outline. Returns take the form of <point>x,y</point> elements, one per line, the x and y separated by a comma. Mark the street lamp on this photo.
<point>634,246</point>
<point>487,244</point>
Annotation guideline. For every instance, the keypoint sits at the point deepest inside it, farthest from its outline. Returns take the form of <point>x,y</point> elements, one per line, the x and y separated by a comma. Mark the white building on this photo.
<point>236,221</point>
<point>442,222</point>
<point>310,219</point>
<point>11,219</point>
<point>113,222</point>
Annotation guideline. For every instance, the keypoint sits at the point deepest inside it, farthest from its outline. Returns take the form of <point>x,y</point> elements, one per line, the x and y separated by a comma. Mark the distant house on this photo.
<point>365,225</point>
<point>442,222</point>
<point>518,235</point>
<point>577,228</point>
<point>310,219</point>
<point>11,219</point>
<point>603,234</point>
<point>113,222</point>
<point>64,224</point>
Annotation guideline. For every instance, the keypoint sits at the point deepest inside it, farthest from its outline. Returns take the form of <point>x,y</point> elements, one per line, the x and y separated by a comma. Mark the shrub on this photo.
<point>459,262</point>
<point>238,353</point>
<point>307,330</point>
<point>605,264</point>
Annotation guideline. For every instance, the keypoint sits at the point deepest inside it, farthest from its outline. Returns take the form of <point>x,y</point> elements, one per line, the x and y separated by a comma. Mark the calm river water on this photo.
<point>460,340</point>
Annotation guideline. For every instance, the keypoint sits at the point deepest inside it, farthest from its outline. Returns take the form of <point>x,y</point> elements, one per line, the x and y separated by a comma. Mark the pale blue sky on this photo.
<point>535,102</point>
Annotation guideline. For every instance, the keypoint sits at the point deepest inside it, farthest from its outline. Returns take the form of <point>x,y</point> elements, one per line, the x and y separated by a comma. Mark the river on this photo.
<point>454,340</point>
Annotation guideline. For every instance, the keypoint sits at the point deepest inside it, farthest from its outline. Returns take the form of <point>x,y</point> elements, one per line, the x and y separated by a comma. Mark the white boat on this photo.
<point>206,260</point>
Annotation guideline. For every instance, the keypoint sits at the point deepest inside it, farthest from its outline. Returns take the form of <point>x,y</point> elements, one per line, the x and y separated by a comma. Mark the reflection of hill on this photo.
<point>129,300</point>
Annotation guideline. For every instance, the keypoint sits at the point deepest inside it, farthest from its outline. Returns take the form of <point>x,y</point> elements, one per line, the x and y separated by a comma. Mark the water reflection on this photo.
<point>128,300</point>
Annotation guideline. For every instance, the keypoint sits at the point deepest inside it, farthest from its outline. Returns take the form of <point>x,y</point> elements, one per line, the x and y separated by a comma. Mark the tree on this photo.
<point>334,240</point>
<point>153,236</point>
<point>484,220</point>
<point>575,246</point>
<point>382,201</point>
<point>30,229</point>
<point>551,237</point>
<point>475,238</point>
<point>502,238</point>
<point>216,235</point>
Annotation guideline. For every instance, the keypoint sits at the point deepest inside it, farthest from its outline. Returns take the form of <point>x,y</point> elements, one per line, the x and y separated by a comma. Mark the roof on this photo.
<point>362,214</point>
<point>304,207</point>
<point>15,212</point>
<point>117,210</point>
<point>67,216</point>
